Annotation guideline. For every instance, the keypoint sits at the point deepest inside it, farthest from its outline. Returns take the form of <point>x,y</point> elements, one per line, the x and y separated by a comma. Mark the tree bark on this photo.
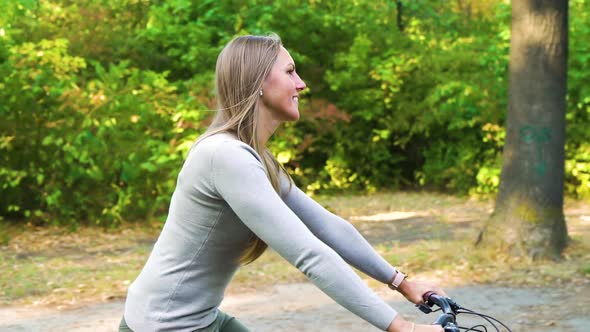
<point>528,218</point>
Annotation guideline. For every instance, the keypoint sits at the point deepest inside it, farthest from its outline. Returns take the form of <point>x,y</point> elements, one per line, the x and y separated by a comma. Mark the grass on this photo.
<point>428,235</point>
<point>52,266</point>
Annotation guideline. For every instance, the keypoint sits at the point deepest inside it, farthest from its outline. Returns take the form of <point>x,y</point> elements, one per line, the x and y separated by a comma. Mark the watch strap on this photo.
<point>397,280</point>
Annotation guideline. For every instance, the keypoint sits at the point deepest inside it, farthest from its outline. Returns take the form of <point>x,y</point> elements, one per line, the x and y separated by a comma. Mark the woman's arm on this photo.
<point>239,178</point>
<point>339,234</point>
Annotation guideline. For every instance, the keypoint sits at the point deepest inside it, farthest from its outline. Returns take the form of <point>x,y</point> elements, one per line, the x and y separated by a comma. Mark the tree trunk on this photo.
<point>400,23</point>
<point>528,217</point>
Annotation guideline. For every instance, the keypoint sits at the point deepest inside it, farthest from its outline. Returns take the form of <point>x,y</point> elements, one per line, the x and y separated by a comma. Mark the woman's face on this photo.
<point>281,89</point>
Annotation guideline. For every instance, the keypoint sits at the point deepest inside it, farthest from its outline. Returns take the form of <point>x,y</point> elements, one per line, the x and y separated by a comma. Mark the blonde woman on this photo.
<point>233,198</point>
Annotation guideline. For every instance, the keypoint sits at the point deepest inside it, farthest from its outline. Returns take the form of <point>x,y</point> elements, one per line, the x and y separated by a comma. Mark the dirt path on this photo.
<point>302,307</point>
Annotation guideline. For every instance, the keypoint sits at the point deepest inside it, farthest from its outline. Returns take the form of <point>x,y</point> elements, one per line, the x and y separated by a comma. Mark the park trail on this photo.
<point>303,307</point>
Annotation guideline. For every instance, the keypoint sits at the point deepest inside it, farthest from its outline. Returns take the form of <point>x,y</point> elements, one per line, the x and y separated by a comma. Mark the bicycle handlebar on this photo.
<point>447,305</point>
<point>448,319</point>
<point>450,309</point>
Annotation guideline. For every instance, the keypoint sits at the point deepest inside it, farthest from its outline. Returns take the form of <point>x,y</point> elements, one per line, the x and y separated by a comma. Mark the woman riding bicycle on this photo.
<point>233,198</point>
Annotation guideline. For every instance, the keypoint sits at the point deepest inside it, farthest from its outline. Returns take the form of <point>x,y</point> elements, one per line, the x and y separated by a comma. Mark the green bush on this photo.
<point>101,150</point>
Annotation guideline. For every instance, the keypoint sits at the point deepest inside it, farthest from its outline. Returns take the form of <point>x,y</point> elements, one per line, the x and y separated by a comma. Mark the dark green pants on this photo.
<point>223,323</point>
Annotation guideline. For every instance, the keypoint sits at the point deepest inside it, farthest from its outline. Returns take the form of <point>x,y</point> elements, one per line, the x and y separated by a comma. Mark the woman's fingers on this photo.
<point>415,291</point>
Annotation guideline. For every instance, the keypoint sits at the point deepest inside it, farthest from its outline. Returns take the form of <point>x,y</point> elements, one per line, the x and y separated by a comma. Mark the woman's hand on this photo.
<point>401,325</point>
<point>415,290</point>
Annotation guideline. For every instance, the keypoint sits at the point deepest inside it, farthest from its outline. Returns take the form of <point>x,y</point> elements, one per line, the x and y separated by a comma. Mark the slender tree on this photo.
<point>528,217</point>
<point>400,23</point>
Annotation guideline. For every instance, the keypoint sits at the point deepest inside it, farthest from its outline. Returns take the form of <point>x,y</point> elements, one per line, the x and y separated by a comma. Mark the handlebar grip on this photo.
<point>426,296</point>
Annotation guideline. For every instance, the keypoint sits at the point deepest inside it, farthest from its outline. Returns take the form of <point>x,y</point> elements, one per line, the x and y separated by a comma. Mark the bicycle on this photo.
<point>450,309</point>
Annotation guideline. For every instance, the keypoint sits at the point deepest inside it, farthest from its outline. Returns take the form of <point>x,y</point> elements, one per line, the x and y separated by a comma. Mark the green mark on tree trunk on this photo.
<point>537,135</point>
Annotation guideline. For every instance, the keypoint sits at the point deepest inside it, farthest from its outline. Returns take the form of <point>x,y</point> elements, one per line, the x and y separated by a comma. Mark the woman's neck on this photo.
<point>267,125</point>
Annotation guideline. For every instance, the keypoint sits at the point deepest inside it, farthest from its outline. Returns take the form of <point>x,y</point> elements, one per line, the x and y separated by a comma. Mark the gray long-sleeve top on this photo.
<point>223,195</point>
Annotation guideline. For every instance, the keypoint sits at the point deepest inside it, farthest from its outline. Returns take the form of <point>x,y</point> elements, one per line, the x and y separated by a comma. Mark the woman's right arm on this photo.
<point>239,178</point>
<point>337,233</point>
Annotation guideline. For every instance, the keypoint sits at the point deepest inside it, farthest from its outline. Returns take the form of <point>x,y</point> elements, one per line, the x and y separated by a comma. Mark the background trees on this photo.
<point>100,100</point>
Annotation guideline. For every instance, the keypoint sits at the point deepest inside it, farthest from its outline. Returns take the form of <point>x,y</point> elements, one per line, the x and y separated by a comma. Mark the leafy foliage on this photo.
<point>101,100</point>
<point>578,115</point>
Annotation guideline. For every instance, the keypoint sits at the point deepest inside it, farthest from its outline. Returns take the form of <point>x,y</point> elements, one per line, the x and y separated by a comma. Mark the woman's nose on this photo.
<point>300,85</point>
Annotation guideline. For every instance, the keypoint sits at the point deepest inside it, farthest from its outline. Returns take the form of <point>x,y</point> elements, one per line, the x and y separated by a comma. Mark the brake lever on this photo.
<point>424,308</point>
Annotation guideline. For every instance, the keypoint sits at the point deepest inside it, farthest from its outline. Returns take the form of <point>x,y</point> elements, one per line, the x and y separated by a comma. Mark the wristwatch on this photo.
<point>397,279</point>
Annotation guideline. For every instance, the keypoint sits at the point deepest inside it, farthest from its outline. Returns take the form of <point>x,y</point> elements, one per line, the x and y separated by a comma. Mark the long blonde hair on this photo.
<point>242,66</point>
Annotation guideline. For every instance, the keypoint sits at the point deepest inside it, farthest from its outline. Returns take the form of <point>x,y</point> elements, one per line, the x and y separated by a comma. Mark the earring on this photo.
<point>260,92</point>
